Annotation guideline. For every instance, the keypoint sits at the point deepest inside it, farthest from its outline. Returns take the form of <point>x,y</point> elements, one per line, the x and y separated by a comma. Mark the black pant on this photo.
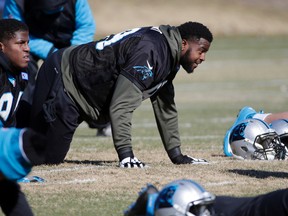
<point>53,113</point>
<point>12,200</point>
<point>270,204</point>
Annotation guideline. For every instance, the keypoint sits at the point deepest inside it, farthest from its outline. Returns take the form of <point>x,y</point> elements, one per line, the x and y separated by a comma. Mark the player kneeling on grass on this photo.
<point>188,198</point>
<point>107,80</point>
<point>20,149</point>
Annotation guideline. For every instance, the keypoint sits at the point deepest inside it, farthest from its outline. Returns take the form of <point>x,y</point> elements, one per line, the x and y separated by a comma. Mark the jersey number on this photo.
<point>6,102</point>
<point>114,38</point>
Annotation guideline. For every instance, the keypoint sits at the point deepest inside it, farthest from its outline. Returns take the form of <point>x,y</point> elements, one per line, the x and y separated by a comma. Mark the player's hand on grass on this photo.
<point>177,157</point>
<point>129,162</point>
<point>185,159</point>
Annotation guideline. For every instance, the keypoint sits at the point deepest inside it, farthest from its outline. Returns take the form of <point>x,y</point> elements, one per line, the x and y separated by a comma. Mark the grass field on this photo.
<point>223,17</point>
<point>238,71</point>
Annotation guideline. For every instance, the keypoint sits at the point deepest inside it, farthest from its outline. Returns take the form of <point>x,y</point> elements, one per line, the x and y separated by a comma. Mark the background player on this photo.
<point>20,149</point>
<point>53,25</point>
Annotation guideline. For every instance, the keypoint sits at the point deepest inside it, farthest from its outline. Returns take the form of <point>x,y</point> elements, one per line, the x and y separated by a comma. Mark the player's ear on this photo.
<point>184,44</point>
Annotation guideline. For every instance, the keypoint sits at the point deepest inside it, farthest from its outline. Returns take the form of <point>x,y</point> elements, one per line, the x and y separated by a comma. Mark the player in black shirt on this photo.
<point>20,149</point>
<point>14,58</point>
<point>107,80</point>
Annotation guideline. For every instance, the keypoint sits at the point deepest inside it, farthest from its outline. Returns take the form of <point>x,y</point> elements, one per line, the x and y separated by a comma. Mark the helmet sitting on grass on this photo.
<point>184,198</point>
<point>255,140</point>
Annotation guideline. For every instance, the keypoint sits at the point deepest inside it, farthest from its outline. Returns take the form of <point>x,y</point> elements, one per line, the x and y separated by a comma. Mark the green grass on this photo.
<point>237,72</point>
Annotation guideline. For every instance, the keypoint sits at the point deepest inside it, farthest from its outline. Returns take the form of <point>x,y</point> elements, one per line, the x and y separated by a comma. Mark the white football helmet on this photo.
<point>254,139</point>
<point>281,128</point>
<point>184,198</point>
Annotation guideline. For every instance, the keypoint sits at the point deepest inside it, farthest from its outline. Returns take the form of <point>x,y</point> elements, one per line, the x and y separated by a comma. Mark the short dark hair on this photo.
<point>189,30</point>
<point>8,27</point>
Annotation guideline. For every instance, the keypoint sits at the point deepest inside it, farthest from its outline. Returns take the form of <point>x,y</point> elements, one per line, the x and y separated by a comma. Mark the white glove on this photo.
<point>129,162</point>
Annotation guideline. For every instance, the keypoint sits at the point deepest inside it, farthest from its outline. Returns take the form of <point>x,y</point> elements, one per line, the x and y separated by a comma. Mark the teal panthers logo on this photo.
<point>165,198</point>
<point>238,132</point>
<point>146,71</point>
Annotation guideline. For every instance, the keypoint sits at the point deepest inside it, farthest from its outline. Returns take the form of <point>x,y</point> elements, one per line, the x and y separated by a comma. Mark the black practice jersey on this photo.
<point>11,89</point>
<point>142,55</point>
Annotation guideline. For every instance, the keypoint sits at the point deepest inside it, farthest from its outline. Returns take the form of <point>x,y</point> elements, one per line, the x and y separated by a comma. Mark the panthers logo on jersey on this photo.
<point>146,71</point>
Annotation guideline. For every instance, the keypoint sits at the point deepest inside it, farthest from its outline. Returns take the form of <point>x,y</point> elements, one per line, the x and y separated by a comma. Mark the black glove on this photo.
<point>185,159</point>
<point>177,157</point>
<point>34,145</point>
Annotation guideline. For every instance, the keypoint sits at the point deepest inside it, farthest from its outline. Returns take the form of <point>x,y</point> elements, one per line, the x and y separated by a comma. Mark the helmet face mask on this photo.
<point>266,145</point>
<point>253,139</point>
<point>201,210</point>
<point>281,128</point>
<point>184,198</point>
